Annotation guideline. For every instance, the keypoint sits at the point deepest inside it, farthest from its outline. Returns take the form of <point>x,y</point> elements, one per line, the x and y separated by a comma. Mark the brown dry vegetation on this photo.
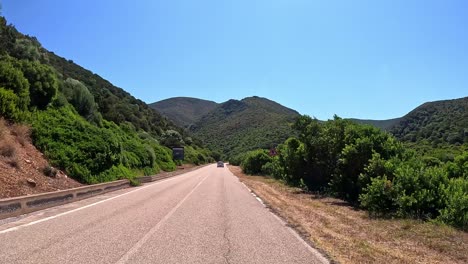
<point>20,161</point>
<point>348,235</point>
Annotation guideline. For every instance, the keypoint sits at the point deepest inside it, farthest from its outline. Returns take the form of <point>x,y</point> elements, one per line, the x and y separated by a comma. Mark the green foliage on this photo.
<point>184,111</point>
<point>419,189</point>
<point>43,83</point>
<point>92,149</point>
<point>439,123</point>
<point>254,161</point>
<point>79,96</point>
<point>363,164</point>
<point>455,197</point>
<point>9,104</point>
<point>379,196</point>
<point>291,161</point>
<point>236,127</point>
<point>172,138</point>
<point>459,167</point>
<point>95,154</point>
<point>114,173</point>
<point>164,158</point>
<point>12,78</point>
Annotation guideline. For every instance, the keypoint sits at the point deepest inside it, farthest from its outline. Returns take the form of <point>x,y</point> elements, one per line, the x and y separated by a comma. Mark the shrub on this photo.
<point>3,128</point>
<point>13,79</point>
<point>9,102</point>
<point>379,197</point>
<point>254,161</point>
<point>22,133</point>
<point>7,148</point>
<point>455,198</point>
<point>80,97</point>
<point>49,171</point>
<point>419,190</point>
<point>43,83</point>
<point>115,173</point>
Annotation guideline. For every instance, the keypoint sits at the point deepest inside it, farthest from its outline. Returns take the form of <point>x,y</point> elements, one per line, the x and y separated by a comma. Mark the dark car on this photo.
<point>220,164</point>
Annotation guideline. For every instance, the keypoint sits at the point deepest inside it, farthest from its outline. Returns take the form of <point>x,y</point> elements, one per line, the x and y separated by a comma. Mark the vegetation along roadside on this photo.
<point>349,235</point>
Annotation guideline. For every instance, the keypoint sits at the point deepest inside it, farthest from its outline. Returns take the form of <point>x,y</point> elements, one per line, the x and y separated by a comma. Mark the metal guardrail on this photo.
<point>16,206</point>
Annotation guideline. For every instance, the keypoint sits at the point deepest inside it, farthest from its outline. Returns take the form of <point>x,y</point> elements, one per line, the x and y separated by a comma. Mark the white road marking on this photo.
<point>80,208</point>
<point>314,251</point>
<point>155,228</point>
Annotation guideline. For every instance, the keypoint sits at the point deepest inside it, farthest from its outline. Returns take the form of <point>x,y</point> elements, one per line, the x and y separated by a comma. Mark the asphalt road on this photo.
<point>204,216</point>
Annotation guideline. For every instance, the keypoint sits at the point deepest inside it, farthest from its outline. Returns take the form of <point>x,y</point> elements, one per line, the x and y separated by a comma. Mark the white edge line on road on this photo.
<point>155,228</point>
<point>80,208</point>
<point>314,251</point>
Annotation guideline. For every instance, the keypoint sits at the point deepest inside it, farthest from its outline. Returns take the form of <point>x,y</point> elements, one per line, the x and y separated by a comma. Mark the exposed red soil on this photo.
<point>21,162</point>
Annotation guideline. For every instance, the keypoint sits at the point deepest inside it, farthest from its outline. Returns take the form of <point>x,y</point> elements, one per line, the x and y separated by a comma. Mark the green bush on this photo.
<point>455,198</point>
<point>419,190</point>
<point>118,172</point>
<point>379,197</point>
<point>164,158</point>
<point>254,161</point>
<point>43,83</point>
<point>79,96</point>
<point>9,104</point>
<point>12,78</point>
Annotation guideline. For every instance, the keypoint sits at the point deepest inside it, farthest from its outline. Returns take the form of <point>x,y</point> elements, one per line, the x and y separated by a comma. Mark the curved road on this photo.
<point>203,216</point>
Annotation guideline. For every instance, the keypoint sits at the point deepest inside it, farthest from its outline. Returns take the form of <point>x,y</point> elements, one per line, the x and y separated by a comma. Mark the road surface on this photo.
<point>203,216</point>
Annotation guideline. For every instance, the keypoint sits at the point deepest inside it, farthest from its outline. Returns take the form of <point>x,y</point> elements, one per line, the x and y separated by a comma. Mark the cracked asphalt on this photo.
<point>203,216</point>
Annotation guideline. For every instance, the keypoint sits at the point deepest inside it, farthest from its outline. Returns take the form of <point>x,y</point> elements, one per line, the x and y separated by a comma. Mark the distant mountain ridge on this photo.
<point>437,122</point>
<point>239,125</point>
<point>234,126</point>
<point>184,111</point>
<point>382,124</point>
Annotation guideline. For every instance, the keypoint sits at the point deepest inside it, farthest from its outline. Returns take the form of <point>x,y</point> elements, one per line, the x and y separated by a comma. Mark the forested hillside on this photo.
<point>84,125</point>
<point>238,126</point>
<point>382,124</point>
<point>435,122</point>
<point>184,111</point>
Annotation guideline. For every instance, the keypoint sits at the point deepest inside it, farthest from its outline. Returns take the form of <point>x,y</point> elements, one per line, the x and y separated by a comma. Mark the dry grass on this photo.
<point>22,133</point>
<point>8,153</point>
<point>7,148</point>
<point>3,128</point>
<point>350,236</point>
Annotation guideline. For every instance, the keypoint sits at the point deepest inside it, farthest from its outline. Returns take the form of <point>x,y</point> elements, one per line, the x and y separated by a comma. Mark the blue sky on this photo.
<point>365,59</point>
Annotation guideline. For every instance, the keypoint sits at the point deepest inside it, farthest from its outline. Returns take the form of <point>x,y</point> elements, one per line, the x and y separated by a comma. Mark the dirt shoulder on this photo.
<point>348,235</point>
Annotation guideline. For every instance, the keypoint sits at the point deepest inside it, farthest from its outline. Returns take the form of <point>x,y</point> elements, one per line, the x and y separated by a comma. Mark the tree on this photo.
<point>79,96</point>
<point>172,138</point>
<point>12,78</point>
<point>43,82</point>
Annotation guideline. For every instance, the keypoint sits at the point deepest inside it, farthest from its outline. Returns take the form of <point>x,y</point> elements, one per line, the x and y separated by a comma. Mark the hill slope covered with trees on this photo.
<point>238,126</point>
<point>184,111</point>
<point>435,122</point>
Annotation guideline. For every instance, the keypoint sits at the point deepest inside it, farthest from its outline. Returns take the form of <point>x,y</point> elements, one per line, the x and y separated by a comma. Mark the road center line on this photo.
<point>81,208</point>
<point>155,228</point>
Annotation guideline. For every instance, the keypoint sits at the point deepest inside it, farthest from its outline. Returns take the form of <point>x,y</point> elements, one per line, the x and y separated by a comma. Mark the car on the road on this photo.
<point>220,164</point>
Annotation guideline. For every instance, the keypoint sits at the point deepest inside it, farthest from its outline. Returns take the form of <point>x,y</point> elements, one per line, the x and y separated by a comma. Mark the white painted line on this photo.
<point>81,208</point>
<point>155,228</point>
<point>312,250</point>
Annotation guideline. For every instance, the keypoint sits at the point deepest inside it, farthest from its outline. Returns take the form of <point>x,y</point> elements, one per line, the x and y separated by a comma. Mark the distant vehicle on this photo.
<point>220,164</point>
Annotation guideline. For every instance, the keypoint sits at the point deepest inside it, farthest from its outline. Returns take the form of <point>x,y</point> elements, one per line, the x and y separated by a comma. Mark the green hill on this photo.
<point>184,111</point>
<point>382,124</point>
<point>235,127</point>
<point>439,122</point>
